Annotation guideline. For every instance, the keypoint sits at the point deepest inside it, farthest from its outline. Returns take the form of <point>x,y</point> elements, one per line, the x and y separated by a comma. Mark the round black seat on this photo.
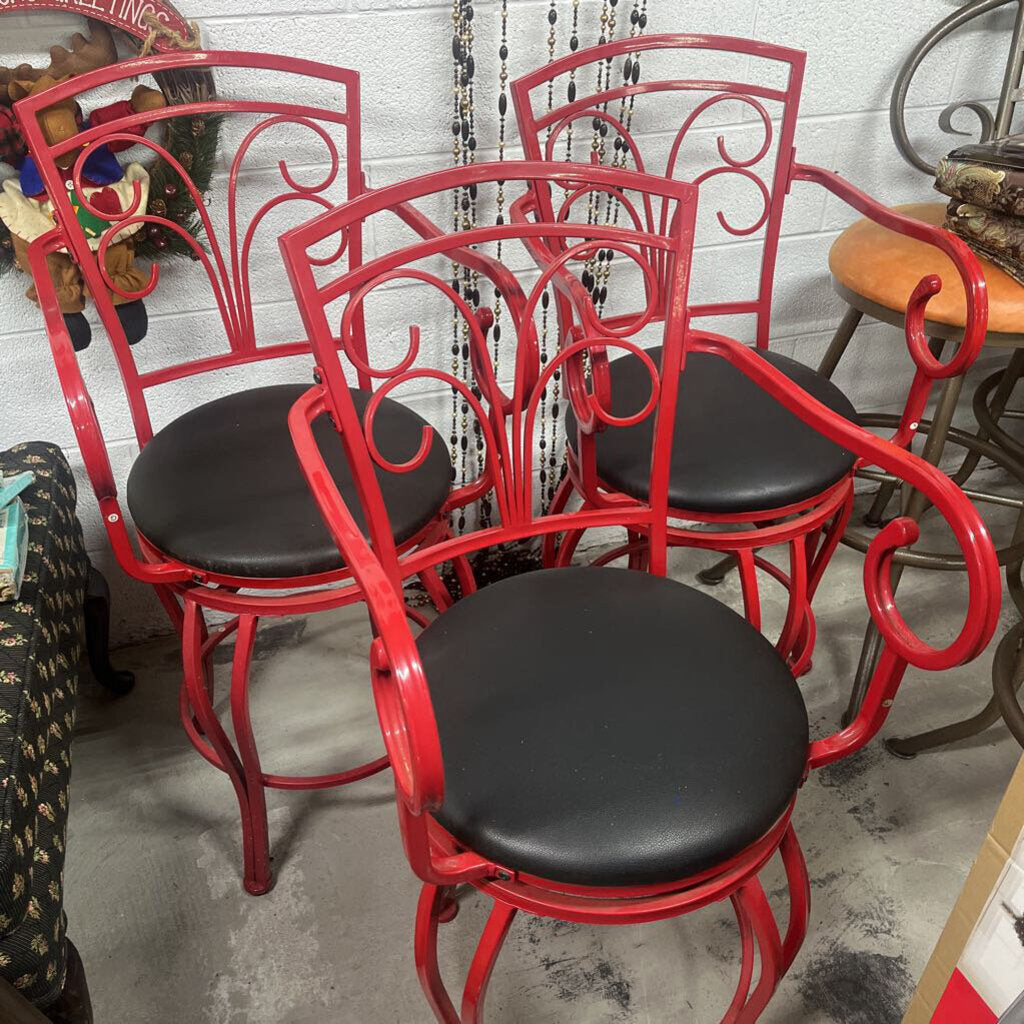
<point>735,448</point>
<point>608,727</point>
<point>220,487</point>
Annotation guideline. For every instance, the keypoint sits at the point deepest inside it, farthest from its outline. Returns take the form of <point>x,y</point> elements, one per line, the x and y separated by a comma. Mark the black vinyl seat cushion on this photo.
<point>221,489</point>
<point>735,449</point>
<point>606,727</point>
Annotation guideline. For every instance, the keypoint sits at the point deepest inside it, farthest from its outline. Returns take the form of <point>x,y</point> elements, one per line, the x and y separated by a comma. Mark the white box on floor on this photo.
<point>976,974</point>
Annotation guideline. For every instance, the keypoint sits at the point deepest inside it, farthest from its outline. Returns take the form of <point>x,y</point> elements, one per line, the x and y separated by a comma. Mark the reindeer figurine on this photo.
<point>26,208</point>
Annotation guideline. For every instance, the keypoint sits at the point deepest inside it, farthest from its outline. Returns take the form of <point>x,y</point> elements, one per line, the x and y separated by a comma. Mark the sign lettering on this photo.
<point>133,16</point>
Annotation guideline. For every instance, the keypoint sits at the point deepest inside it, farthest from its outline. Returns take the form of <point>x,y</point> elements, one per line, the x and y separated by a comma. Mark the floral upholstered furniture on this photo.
<point>41,642</point>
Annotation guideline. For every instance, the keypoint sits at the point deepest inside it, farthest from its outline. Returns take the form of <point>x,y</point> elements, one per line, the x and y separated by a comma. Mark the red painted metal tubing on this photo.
<point>963,259</point>
<point>225,260</point>
<point>403,700</point>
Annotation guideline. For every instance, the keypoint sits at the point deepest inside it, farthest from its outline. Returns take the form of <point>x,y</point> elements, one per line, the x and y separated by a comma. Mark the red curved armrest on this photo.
<point>399,684</point>
<point>929,368</point>
<point>902,646</point>
<point>959,253</point>
<point>407,719</point>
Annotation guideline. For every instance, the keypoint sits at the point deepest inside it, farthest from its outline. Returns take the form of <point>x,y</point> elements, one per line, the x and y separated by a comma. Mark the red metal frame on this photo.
<point>819,524</point>
<point>189,592</point>
<point>403,700</point>
<point>540,131</point>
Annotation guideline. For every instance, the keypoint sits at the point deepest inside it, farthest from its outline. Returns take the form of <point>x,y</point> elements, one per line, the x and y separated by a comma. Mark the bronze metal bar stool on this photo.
<point>869,267</point>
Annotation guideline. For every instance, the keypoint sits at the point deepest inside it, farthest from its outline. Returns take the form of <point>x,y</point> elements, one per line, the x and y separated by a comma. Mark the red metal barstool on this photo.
<point>742,465</point>
<point>592,744</point>
<point>223,514</point>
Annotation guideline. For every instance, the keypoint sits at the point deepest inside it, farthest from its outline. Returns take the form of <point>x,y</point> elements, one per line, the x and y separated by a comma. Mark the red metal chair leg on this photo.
<point>821,557</point>
<point>748,585</point>
<point>207,658</point>
<point>464,574</point>
<point>549,545</point>
<point>495,933</point>
<point>760,940</point>
<point>436,590</point>
<point>638,555</point>
<point>798,607</point>
<point>433,902</point>
<point>202,707</point>
<point>434,909</point>
<point>755,906</point>
<point>172,606</point>
<point>799,898</point>
<point>449,908</point>
<point>746,962</point>
<point>258,878</point>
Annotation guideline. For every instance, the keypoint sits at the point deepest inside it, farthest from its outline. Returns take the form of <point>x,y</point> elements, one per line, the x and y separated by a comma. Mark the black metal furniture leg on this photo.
<point>911,746</point>
<point>914,506</point>
<point>1007,676</point>
<point>875,516</point>
<point>840,341</point>
<point>714,574</point>
<point>996,407</point>
<point>97,636</point>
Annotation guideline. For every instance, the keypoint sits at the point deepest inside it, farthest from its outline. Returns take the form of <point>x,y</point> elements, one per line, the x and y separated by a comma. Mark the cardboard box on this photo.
<point>976,974</point>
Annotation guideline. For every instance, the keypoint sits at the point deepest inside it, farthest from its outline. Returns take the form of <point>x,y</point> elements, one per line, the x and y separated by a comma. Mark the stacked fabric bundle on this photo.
<point>13,534</point>
<point>986,185</point>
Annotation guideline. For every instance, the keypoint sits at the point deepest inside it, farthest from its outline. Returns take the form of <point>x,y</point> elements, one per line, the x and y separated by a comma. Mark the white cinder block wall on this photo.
<point>403,49</point>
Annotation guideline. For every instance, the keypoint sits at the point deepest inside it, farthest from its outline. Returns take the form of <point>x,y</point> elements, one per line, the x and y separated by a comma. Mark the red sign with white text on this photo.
<point>134,16</point>
<point>961,1004</point>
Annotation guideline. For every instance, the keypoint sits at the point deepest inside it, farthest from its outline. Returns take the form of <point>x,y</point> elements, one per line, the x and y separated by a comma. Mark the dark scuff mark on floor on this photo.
<point>854,987</point>
<point>842,774</point>
<point>541,929</point>
<point>269,639</point>
<point>573,976</point>
<point>866,815</point>
<point>875,919</point>
<point>827,879</point>
<point>724,943</point>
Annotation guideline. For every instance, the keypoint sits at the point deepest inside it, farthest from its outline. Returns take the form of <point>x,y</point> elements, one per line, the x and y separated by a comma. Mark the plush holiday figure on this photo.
<point>26,208</point>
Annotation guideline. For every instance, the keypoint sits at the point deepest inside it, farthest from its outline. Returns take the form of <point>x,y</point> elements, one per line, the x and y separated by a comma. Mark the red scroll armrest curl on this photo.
<point>929,368</point>
<point>901,645</point>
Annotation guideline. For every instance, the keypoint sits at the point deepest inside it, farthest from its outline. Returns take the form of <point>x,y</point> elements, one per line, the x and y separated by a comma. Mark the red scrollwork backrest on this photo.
<point>647,111</point>
<point>507,410</point>
<point>234,273</point>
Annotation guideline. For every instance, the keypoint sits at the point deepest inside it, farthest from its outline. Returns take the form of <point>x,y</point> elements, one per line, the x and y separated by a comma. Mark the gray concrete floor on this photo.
<point>167,934</point>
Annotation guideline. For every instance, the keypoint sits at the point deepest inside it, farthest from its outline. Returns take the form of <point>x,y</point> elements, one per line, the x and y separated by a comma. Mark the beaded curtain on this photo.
<point>563,34</point>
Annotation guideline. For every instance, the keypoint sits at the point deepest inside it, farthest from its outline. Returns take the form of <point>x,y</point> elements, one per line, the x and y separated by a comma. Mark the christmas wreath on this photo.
<point>192,141</point>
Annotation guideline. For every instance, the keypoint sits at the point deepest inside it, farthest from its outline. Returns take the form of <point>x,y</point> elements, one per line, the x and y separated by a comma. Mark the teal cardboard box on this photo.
<point>13,535</point>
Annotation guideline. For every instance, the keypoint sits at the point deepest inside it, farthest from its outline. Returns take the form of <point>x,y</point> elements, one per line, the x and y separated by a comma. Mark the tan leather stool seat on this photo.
<point>884,267</point>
